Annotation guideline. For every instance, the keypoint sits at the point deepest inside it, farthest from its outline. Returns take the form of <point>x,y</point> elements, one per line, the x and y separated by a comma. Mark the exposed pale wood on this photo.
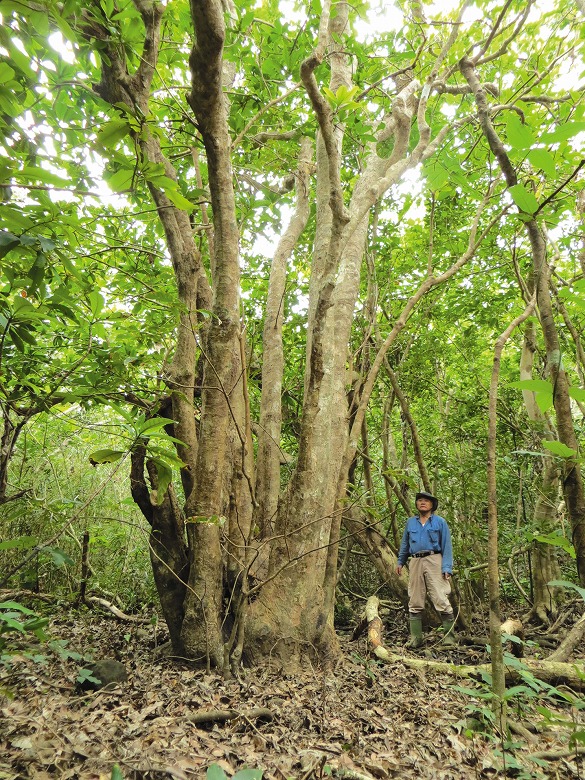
<point>570,642</point>
<point>115,611</point>
<point>551,672</point>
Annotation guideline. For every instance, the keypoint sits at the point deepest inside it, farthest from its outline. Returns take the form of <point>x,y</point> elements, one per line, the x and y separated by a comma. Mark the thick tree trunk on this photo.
<point>573,489</point>
<point>168,552</point>
<point>198,618</point>
<point>202,624</point>
<point>294,613</point>
<point>269,452</point>
<point>10,434</point>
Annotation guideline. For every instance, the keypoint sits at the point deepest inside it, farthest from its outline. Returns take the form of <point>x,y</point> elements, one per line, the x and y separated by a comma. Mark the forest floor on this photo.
<point>362,720</point>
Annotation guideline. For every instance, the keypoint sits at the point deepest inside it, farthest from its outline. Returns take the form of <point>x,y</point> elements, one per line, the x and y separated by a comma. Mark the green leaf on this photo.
<point>178,199</point>
<point>578,393</point>
<point>7,242</point>
<point>544,401</point>
<point>542,389</point>
<point>105,456</point>
<point>46,244</point>
<point>153,424</point>
<point>112,132</point>
<point>556,539</point>
<point>168,456</point>
<point>519,135</point>
<point>24,311</point>
<point>35,624</point>
<point>525,200</point>
<point>87,674</point>
<point>59,557</point>
<point>25,334</point>
<point>541,158</point>
<point>576,736</point>
<point>20,543</point>
<point>9,622</point>
<point>34,174</point>
<point>165,476</point>
<point>121,180</point>
<point>96,302</point>
<point>116,771</point>
<point>16,606</point>
<point>558,448</point>
<point>536,385</point>
<point>248,774</point>
<point>215,772</point>
<point>6,73</point>
<point>436,177</point>
<point>563,133</point>
<point>16,340</point>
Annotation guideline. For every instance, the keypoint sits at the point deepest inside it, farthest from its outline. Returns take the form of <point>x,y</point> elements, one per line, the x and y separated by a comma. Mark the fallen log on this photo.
<point>554,673</point>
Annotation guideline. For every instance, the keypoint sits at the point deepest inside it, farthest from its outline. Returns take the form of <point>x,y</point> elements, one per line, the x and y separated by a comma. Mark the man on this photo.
<point>427,541</point>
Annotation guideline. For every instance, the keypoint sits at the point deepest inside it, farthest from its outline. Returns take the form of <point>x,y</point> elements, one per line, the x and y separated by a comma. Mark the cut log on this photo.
<point>515,628</point>
<point>554,673</point>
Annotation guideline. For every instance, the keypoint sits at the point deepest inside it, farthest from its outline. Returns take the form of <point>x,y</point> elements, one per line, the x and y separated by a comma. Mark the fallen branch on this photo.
<point>221,716</point>
<point>553,673</point>
<point>555,755</point>
<point>115,611</point>
<point>14,595</point>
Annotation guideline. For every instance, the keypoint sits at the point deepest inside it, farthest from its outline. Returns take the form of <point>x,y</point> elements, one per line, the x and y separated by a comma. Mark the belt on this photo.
<point>423,554</point>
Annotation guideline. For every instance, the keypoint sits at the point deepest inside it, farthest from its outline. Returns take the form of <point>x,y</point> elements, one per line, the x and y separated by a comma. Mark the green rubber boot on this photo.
<point>416,632</point>
<point>449,632</point>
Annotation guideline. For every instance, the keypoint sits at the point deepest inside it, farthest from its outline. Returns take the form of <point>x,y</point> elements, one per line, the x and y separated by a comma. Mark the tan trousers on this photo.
<point>425,577</point>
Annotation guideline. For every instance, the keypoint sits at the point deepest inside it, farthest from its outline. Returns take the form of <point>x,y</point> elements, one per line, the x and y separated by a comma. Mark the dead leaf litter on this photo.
<point>362,720</point>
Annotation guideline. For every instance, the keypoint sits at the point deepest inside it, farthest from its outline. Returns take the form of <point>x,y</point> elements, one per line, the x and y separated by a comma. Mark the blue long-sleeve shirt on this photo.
<point>433,535</point>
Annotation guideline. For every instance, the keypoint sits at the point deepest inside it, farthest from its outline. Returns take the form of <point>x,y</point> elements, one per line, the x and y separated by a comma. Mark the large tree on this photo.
<point>244,547</point>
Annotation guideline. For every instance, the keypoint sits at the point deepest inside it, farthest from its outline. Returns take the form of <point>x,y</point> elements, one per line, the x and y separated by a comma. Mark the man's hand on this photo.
<point>446,575</point>
<point>399,570</point>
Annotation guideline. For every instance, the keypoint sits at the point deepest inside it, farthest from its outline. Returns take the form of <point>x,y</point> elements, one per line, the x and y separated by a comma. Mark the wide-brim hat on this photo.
<point>433,499</point>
